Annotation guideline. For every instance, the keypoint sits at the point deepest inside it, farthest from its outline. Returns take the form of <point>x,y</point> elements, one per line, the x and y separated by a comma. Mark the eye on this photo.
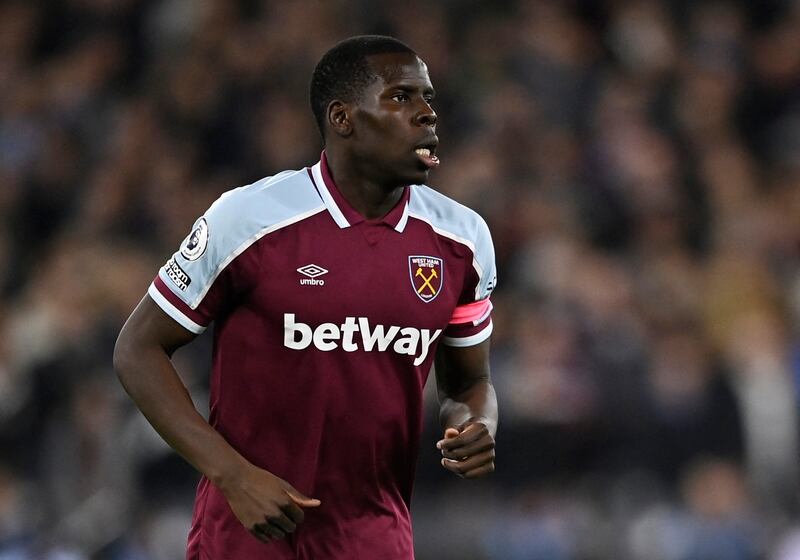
<point>428,99</point>
<point>400,97</point>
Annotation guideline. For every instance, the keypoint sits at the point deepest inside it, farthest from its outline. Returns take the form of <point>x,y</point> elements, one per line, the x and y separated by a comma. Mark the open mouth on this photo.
<point>427,155</point>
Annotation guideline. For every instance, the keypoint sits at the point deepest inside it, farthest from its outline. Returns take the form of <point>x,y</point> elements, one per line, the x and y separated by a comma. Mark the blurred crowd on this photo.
<point>638,162</point>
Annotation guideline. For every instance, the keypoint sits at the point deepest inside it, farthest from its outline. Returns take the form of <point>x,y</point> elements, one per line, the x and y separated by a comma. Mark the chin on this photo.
<point>417,177</point>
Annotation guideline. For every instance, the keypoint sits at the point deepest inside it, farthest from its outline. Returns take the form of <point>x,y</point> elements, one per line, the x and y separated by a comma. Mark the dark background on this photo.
<point>638,163</point>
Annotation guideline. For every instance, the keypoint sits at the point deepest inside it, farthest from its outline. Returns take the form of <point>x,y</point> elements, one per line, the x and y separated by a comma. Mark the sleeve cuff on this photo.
<point>472,340</point>
<point>171,310</point>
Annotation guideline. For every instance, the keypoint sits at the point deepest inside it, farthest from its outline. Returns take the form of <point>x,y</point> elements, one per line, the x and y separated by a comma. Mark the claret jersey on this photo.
<point>326,326</point>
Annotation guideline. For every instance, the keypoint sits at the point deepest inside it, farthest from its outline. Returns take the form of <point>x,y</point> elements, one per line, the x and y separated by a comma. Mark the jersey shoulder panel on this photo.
<point>235,221</point>
<point>460,223</point>
<point>266,204</point>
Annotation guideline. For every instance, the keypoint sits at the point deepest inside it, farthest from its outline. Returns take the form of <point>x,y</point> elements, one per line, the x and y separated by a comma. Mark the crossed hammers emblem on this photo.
<point>427,281</point>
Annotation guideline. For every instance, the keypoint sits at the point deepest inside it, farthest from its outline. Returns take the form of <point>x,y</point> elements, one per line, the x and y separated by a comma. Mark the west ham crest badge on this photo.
<point>427,275</point>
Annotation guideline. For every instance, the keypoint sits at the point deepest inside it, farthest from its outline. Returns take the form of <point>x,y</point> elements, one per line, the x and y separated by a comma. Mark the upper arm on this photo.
<point>471,322</point>
<point>149,327</point>
<point>462,359</point>
<point>459,368</point>
<point>204,278</point>
<point>210,271</point>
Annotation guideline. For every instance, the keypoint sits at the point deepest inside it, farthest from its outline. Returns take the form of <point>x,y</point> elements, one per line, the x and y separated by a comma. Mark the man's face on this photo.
<point>394,126</point>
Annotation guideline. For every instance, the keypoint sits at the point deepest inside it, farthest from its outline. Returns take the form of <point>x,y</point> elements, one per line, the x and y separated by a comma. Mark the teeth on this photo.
<point>424,152</point>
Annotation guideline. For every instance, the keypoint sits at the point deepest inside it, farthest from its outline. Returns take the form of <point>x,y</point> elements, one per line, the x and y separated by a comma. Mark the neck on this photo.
<point>369,196</point>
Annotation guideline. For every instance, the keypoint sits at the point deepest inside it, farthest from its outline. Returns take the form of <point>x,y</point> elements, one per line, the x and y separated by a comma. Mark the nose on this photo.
<point>426,116</point>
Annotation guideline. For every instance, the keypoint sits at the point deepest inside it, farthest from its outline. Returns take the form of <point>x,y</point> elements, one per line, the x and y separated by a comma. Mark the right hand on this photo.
<point>268,506</point>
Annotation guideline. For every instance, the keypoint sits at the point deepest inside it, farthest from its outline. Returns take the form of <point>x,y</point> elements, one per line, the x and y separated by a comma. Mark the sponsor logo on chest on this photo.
<point>311,271</point>
<point>355,334</point>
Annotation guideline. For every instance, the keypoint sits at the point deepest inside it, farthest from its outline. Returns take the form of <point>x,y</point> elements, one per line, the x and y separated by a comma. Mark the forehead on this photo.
<point>395,68</point>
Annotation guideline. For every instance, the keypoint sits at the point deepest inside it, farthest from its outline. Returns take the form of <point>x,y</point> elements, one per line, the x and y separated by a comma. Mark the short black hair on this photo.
<point>343,72</point>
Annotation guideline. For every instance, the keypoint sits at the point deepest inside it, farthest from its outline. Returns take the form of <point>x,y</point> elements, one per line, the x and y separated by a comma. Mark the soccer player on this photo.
<point>332,290</point>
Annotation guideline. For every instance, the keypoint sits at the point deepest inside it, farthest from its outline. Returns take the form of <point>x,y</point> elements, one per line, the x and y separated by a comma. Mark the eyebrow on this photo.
<point>412,89</point>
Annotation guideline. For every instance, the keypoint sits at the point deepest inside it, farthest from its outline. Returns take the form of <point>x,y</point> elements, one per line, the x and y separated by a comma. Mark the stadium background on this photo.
<point>638,163</point>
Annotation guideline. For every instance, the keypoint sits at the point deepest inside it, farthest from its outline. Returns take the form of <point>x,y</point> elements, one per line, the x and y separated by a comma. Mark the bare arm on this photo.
<point>468,409</point>
<point>268,506</point>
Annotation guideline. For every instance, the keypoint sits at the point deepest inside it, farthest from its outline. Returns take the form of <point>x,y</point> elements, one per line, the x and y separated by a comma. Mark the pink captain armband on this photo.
<point>473,313</point>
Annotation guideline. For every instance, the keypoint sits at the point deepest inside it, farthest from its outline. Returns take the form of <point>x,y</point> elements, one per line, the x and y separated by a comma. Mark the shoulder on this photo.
<point>234,223</point>
<point>448,217</point>
<point>455,221</point>
<point>267,203</point>
<point>244,214</point>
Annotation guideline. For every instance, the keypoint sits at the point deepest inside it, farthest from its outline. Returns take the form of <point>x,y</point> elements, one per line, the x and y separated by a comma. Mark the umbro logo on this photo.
<point>312,271</point>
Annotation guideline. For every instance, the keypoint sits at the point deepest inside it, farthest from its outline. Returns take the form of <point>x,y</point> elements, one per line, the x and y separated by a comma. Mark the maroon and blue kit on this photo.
<point>326,326</point>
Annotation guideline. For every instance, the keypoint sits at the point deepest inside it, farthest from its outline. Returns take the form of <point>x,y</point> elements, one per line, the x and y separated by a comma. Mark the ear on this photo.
<point>339,118</point>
